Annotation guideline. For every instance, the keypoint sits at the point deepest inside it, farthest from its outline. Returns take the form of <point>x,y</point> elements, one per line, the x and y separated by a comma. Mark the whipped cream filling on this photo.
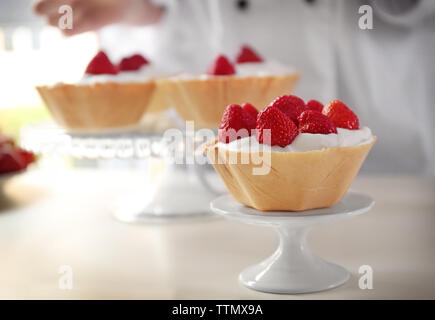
<point>305,141</point>
<point>260,69</point>
<point>144,74</point>
<point>249,69</point>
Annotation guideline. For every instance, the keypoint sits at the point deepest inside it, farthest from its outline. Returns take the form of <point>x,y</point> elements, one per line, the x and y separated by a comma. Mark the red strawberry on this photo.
<point>233,121</point>
<point>221,66</point>
<point>282,131</point>
<point>341,115</point>
<point>27,157</point>
<point>100,64</point>
<point>247,54</point>
<point>10,160</point>
<point>291,105</point>
<point>249,108</point>
<point>8,164</point>
<point>132,63</point>
<point>315,105</point>
<point>311,121</point>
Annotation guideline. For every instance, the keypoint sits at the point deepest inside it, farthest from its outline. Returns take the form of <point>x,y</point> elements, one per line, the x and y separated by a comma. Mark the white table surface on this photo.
<point>61,218</point>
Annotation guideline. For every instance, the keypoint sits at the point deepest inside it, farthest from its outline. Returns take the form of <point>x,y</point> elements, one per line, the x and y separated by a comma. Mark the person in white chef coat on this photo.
<point>385,73</point>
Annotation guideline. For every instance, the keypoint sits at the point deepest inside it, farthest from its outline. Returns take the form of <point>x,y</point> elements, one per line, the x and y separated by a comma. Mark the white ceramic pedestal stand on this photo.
<point>293,268</point>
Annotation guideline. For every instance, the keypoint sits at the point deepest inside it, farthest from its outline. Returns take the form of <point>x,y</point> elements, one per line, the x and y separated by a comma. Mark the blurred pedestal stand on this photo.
<point>180,191</point>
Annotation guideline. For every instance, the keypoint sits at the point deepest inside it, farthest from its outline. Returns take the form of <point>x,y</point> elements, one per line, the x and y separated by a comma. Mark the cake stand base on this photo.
<point>178,195</point>
<point>293,268</point>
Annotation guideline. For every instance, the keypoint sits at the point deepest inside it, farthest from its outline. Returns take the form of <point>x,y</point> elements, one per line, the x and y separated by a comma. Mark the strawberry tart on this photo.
<point>202,98</point>
<point>311,153</point>
<point>107,96</point>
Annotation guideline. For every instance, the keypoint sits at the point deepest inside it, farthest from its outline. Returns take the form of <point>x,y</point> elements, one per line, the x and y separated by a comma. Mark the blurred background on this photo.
<point>29,51</point>
<point>33,53</point>
<point>384,74</point>
<point>57,215</point>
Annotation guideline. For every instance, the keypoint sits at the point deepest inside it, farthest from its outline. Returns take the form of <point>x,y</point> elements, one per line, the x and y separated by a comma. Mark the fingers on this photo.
<point>87,15</point>
<point>93,15</point>
<point>49,7</point>
<point>42,6</point>
<point>50,10</point>
<point>80,23</point>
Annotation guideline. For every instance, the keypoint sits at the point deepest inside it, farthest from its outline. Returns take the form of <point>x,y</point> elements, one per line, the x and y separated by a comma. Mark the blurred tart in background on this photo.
<point>108,96</point>
<point>203,98</point>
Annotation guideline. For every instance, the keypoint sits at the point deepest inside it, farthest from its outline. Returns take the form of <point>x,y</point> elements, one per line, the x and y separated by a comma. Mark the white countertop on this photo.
<point>63,219</point>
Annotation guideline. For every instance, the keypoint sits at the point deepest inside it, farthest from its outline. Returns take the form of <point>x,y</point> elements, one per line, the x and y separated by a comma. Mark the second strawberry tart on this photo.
<point>203,98</point>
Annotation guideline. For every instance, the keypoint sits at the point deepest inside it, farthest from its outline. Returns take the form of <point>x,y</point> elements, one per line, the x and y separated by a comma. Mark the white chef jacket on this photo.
<point>385,74</point>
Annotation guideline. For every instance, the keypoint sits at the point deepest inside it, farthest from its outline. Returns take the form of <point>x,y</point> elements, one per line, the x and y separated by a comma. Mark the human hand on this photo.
<point>90,15</point>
